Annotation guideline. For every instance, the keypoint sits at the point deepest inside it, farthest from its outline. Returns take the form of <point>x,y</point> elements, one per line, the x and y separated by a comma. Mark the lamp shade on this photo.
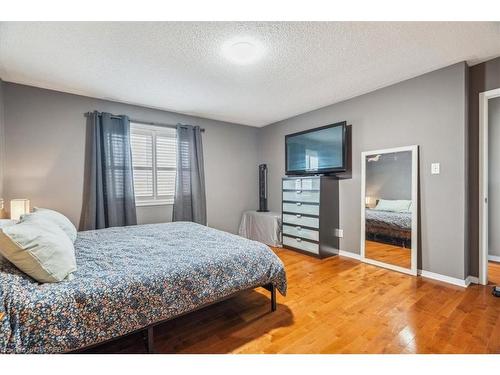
<point>19,207</point>
<point>370,202</point>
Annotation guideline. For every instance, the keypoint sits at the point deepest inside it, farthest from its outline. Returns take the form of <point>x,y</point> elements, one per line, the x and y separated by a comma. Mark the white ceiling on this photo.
<point>178,66</point>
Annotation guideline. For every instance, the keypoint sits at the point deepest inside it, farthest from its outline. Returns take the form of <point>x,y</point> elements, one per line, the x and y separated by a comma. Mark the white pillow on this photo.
<point>6,223</point>
<point>396,205</point>
<point>57,218</point>
<point>40,249</point>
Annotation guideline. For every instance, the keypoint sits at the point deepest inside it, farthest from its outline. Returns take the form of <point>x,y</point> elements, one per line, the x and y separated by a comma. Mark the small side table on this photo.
<point>264,227</point>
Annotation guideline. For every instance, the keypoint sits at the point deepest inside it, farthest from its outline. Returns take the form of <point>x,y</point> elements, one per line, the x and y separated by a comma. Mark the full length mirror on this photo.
<point>389,208</point>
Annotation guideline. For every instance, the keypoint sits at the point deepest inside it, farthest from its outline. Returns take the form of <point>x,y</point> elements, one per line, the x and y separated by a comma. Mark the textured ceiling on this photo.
<point>178,66</point>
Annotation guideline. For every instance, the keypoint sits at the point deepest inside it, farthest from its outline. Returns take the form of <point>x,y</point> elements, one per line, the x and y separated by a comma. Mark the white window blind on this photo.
<point>154,163</point>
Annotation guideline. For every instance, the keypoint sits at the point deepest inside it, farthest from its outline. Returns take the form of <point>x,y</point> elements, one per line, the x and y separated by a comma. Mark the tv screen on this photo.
<point>316,151</point>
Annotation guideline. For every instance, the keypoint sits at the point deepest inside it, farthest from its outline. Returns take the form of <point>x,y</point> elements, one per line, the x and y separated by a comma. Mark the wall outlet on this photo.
<point>339,233</point>
<point>435,168</point>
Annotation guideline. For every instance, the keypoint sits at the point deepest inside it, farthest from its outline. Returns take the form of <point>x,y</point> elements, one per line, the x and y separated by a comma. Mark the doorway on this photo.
<point>489,187</point>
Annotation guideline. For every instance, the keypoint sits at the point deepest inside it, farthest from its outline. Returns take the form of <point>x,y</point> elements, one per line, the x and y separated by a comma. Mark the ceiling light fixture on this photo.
<point>243,51</point>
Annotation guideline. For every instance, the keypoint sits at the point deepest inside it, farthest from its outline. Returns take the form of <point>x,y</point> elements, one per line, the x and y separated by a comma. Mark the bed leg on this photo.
<point>150,340</point>
<point>273,298</point>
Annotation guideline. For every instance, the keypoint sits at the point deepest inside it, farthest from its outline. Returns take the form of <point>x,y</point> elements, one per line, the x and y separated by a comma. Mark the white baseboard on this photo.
<point>349,254</point>
<point>471,280</point>
<point>444,278</point>
<point>494,258</point>
<point>430,275</point>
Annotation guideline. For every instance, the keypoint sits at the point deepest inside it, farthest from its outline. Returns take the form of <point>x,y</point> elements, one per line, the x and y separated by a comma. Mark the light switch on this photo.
<point>339,233</point>
<point>435,168</point>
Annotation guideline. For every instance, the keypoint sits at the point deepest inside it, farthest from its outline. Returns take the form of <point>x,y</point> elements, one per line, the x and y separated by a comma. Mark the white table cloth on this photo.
<point>264,227</point>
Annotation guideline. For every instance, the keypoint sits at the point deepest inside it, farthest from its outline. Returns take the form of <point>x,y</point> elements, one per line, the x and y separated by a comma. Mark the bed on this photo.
<point>129,279</point>
<point>388,226</point>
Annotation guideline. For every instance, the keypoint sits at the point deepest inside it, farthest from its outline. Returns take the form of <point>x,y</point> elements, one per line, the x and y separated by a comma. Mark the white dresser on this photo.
<point>310,214</point>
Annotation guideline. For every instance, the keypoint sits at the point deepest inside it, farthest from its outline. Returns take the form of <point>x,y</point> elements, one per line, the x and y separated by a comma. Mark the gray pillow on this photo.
<point>40,249</point>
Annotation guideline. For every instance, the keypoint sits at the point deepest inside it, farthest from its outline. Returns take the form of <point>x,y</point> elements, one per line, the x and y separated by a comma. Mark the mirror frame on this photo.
<point>414,216</point>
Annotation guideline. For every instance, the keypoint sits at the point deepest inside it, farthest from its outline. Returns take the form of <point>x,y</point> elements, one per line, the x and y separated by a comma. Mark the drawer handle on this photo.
<point>298,228</point>
<point>299,204</point>
<point>299,191</point>
<point>298,216</point>
<point>298,239</point>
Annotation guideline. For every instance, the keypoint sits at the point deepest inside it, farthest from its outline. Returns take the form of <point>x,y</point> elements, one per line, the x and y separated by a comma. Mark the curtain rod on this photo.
<point>145,122</point>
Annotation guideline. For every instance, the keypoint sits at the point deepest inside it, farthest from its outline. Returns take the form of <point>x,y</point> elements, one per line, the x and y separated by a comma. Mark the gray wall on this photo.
<point>428,111</point>
<point>45,134</point>
<point>2,144</point>
<point>389,177</point>
<point>494,176</point>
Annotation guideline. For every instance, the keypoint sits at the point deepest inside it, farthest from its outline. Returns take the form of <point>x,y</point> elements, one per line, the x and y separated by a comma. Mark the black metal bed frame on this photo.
<point>148,330</point>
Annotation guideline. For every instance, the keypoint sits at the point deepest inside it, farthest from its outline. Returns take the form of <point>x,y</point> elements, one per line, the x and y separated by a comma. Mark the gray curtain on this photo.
<point>108,198</point>
<point>190,200</point>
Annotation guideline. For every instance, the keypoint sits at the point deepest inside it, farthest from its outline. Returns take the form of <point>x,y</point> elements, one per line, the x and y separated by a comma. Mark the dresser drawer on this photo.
<point>298,231</point>
<point>301,184</point>
<point>301,196</point>
<point>301,244</point>
<point>300,208</point>
<point>303,221</point>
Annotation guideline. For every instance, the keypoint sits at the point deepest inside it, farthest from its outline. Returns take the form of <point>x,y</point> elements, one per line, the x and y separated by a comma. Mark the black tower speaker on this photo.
<point>263,188</point>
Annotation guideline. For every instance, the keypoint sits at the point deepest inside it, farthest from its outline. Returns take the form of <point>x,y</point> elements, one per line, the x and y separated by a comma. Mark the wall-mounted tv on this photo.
<point>317,151</point>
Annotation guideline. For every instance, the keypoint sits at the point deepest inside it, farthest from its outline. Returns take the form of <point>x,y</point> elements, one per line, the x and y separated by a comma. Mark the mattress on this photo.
<point>128,278</point>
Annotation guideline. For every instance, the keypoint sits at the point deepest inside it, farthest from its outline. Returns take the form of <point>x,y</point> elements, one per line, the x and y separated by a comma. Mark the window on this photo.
<point>153,160</point>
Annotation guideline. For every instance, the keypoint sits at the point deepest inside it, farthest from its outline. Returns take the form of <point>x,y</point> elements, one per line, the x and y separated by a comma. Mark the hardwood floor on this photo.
<point>494,273</point>
<point>395,255</point>
<point>337,305</point>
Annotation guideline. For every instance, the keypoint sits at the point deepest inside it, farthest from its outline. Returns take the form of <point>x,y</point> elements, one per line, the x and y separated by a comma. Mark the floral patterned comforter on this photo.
<point>389,219</point>
<point>127,278</point>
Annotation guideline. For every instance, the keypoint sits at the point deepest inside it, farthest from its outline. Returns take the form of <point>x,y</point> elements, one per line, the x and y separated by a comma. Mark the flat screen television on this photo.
<point>317,151</point>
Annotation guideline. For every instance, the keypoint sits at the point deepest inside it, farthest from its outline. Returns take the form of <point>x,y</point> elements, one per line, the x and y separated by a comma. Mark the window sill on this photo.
<point>165,202</point>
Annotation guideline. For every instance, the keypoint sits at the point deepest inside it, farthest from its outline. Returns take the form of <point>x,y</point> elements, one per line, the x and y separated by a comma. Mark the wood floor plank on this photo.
<point>392,254</point>
<point>336,305</point>
<point>494,273</point>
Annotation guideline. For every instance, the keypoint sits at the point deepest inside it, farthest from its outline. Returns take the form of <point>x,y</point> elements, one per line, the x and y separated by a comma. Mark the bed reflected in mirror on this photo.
<point>389,205</point>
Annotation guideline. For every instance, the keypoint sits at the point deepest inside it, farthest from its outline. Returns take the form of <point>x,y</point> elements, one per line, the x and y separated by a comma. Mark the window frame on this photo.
<point>154,131</point>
